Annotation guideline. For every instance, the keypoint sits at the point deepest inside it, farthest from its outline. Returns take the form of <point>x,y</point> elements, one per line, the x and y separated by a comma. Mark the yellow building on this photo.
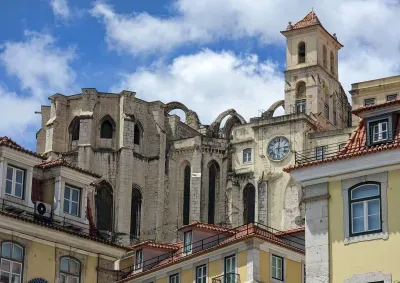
<point>352,212</point>
<point>214,254</point>
<point>47,231</point>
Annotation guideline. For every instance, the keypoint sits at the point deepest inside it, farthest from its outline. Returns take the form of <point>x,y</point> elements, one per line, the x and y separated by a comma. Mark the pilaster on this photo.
<point>262,199</point>
<point>195,186</point>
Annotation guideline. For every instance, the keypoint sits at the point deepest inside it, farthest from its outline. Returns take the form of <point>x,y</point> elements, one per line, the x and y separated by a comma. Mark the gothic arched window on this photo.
<point>324,57</point>
<point>186,195</point>
<point>302,52</point>
<point>249,200</point>
<point>213,179</point>
<point>137,134</point>
<point>136,211</point>
<point>74,129</point>
<point>106,131</point>
<point>332,63</point>
<point>104,208</point>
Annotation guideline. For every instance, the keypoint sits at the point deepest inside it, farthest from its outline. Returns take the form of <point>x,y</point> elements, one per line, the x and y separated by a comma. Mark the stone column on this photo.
<point>253,262</point>
<point>195,185</point>
<point>262,203</point>
<point>316,232</point>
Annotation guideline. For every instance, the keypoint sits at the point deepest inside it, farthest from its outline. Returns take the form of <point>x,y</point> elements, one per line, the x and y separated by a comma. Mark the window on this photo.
<point>186,195</point>
<point>379,131</point>
<point>104,207</point>
<point>230,269</point>
<point>74,129</point>
<point>15,182</point>
<point>137,135</point>
<point>302,52</point>
<point>341,146</point>
<point>391,97</point>
<point>136,206</point>
<point>106,131</point>
<point>301,89</point>
<point>247,155</point>
<point>332,63</point>
<point>138,259</point>
<point>277,267</point>
<point>174,278</point>
<point>201,274</point>
<point>249,197</point>
<point>365,207</point>
<point>301,106</point>
<point>213,185</point>
<point>11,265</point>
<point>324,58</point>
<point>326,111</point>
<point>187,242</point>
<point>320,152</point>
<point>71,200</point>
<point>349,119</point>
<point>334,118</point>
<point>70,270</point>
<point>369,101</point>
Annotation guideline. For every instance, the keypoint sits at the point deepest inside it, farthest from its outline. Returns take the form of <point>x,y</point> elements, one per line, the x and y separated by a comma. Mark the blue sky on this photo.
<point>210,54</point>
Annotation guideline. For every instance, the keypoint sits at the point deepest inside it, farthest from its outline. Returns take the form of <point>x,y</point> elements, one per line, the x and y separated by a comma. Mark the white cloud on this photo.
<point>209,83</point>
<point>364,27</point>
<point>42,69</point>
<point>60,8</point>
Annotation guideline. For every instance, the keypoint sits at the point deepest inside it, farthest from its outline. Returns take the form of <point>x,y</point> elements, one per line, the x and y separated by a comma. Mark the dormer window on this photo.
<point>369,101</point>
<point>138,259</point>
<point>15,182</point>
<point>379,131</point>
<point>187,243</point>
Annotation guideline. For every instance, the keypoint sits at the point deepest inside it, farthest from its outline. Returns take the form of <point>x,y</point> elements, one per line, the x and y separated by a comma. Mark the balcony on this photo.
<point>227,278</point>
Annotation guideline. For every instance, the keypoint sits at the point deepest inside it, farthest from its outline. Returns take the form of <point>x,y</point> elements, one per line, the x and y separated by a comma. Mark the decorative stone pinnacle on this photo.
<point>289,27</point>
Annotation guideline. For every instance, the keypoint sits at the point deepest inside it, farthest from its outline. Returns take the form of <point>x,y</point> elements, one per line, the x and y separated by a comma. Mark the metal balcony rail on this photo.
<point>227,278</point>
<point>60,222</point>
<point>204,244</point>
<point>327,151</point>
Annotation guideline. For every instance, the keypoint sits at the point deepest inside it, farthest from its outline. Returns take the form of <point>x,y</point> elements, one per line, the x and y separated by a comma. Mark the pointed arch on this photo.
<point>301,48</point>
<point>74,128</point>
<point>136,210</point>
<point>332,62</point>
<point>249,203</point>
<point>138,133</point>
<point>324,56</point>
<point>186,193</point>
<point>104,206</point>
<point>213,185</point>
<point>107,127</point>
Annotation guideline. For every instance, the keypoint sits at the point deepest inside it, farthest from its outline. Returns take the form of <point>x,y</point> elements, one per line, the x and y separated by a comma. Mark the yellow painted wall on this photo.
<point>293,271</point>
<point>369,256</point>
<point>264,267</point>
<point>214,269</point>
<point>91,272</point>
<point>41,262</point>
<point>187,275</point>
<point>162,280</point>
<point>242,265</point>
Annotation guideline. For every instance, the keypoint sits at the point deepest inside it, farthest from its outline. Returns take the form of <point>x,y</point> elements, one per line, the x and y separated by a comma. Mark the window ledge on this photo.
<point>366,237</point>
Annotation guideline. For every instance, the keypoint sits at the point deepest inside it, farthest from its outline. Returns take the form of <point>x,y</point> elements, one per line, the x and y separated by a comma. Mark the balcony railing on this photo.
<point>235,233</point>
<point>59,222</point>
<point>227,278</point>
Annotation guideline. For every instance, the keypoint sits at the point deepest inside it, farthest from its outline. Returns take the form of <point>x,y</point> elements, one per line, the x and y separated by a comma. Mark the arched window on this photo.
<point>70,270</point>
<point>334,106</point>
<point>12,261</point>
<point>136,211</point>
<point>213,180</point>
<point>332,63</point>
<point>365,208</point>
<point>301,89</point>
<point>302,52</point>
<point>324,57</point>
<point>74,129</point>
<point>249,200</point>
<point>104,208</point>
<point>137,134</point>
<point>186,195</point>
<point>106,131</point>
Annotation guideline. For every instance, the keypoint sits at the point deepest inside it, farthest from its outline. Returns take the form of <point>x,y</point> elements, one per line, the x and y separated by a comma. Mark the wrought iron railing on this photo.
<point>61,222</point>
<point>227,278</point>
<point>204,244</point>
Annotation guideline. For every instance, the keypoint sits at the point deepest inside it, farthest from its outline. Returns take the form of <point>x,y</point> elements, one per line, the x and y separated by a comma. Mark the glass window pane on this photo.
<point>75,194</point>
<point>358,225</point>
<point>19,176</point>
<point>4,277</point>
<point>374,207</point>
<point>6,250</point>
<point>18,190</point>
<point>67,192</point>
<point>5,265</point>
<point>17,253</point>
<point>74,208</point>
<point>358,209</point>
<point>384,135</point>
<point>71,279</point>
<point>364,191</point>
<point>10,173</point>
<point>66,206</point>
<point>74,268</point>
<point>8,187</point>
<point>374,222</point>
<point>16,267</point>
<point>15,279</point>
<point>64,264</point>
<point>384,126</point>
<point>63,278</point>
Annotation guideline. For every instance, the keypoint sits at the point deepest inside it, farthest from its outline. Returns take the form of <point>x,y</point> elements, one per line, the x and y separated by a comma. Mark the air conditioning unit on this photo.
<point>42,210</point>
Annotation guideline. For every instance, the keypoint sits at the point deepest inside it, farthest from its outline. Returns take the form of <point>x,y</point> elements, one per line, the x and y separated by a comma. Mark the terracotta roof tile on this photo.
<point>376,106</point>
<point>62,162</point>
<point>291,231</point>
<point>6,141</point>
<point>310,19</point>
<point>206,226</point>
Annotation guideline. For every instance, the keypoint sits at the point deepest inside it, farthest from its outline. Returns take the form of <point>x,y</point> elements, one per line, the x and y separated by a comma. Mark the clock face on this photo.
<point>278,148</point>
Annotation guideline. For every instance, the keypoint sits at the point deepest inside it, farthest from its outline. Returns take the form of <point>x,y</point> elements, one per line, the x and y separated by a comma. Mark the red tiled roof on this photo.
<point>206,226</point>
<point>291,231</point>
<point>355,146</point>
<point>155,245</point>
<point>6,141</point>
<point>310,19</point>
<point>62,162</point>
<point>376,106</point>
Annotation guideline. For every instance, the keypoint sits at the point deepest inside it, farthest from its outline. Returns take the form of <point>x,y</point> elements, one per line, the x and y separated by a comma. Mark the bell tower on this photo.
<point>311,78</point>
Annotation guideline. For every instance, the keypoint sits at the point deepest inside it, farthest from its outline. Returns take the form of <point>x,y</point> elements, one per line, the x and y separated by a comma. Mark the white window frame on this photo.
<point>203,275</point>
<point>12,261</point>
<point>14,181</point>
<point>187,242</point>
<point>320,155</point>
<point>301,106</point>
<point>369,101</point>
<point>138,259</point>
<point>391,95</point>
<point>378,126</point>
<point>226,258</point>
<point>68,274</point>
<point>70,201</point>
<point>174,278</point>
<point>282,269</point>
<point>247,154</point>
